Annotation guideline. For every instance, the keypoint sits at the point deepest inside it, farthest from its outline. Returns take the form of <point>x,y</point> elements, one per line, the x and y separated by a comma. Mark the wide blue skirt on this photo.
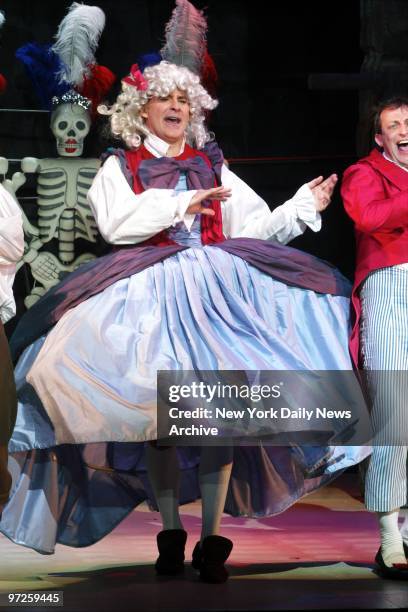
<point>87,393</point>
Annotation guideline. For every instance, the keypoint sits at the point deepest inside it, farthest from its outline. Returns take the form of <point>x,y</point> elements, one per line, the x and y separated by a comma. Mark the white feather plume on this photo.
<point>2,18</point>
<point>185,37</point>
<point>76,41</point>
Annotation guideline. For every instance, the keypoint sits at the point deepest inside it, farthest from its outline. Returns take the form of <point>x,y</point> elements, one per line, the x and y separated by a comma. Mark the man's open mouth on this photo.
<point>173,120</point>
<point>403,145</point>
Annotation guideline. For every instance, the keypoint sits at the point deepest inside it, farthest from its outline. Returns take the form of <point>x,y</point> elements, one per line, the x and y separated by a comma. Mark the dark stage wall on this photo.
<point>263,63</point>
<point>264,52</point>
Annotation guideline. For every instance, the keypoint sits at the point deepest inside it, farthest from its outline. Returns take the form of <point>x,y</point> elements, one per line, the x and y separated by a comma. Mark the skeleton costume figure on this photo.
<point>63,183</point>
<point>71,85</point>
<point>199,279</point>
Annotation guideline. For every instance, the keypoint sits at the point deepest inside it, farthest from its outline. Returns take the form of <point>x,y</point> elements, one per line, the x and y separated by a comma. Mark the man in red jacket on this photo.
<point>375,195</point>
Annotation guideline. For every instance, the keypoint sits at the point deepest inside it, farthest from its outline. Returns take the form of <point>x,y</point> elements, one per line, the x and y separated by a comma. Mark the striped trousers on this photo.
<point>8,411</point>
<point>384,347</point>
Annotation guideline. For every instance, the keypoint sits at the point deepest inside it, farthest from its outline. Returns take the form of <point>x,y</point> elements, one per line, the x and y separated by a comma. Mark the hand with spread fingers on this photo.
<point>215,193</point>
<point>323,190</point>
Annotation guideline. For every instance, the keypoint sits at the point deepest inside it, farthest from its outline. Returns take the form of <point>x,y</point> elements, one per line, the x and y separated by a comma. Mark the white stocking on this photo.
<point>214,476</point>
<point>164,474</point>
<point>404,525</point>
<point>391,540</point>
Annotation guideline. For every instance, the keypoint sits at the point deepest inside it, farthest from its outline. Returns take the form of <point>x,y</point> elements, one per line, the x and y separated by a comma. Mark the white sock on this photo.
<point>404,525</point>
<point>214,476</point>
<point>392,549</point>
<point>164,474</point>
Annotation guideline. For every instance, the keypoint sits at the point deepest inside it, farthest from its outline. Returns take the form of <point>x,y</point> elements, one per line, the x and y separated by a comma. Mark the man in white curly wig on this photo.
<point>129,115</point>
<point>205,283</point>
<point>159,114</point>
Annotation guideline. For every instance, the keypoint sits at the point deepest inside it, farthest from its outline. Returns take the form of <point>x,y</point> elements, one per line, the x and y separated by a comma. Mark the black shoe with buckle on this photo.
<point>171,544</point>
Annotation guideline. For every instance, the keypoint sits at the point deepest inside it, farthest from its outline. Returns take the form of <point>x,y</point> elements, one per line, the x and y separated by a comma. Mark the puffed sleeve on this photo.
<point>124,217</point>
<point>11,230</point>
<point>245,214</point>
<point>11,250</point>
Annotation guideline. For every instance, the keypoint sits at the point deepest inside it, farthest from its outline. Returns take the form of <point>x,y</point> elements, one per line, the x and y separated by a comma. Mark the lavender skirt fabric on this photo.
<point>87,387</point>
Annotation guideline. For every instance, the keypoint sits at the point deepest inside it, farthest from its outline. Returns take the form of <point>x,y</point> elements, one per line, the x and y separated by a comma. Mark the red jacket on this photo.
<point>375,196</point>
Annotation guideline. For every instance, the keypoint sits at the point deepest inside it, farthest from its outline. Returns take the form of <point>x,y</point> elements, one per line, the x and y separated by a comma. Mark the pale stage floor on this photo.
<point>317,555</point>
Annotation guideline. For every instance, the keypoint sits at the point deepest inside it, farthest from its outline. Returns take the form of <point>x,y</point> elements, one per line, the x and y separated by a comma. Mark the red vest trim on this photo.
<point>211,227</point>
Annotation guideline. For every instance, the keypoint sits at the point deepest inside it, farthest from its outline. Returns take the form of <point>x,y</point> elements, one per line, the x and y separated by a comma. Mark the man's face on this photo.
<point>394,134</point>
<point>168,117</point>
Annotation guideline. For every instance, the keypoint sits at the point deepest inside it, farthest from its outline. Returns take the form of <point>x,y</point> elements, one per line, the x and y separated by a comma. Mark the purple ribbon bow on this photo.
<point>164,173</point>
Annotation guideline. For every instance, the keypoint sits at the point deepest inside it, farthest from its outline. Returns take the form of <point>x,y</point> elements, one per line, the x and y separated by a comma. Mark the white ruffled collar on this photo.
<point>158,147</point>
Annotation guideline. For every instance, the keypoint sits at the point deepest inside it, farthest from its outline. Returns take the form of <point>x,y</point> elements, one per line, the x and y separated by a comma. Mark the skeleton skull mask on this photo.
<point>70,124</point>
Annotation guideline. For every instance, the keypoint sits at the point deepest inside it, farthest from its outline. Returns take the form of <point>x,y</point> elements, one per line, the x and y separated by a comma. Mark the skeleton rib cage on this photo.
<point>63,211</point>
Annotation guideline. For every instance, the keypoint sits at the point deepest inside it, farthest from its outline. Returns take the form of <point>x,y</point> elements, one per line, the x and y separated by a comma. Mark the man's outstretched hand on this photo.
<point>216,193</point>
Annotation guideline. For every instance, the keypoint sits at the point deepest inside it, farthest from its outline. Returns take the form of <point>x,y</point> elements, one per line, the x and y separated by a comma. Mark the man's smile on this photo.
<point>403,145</point>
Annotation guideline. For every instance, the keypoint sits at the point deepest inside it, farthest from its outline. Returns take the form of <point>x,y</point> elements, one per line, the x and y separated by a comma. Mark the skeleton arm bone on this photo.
<point>30,165</point>
<point>3,166</point>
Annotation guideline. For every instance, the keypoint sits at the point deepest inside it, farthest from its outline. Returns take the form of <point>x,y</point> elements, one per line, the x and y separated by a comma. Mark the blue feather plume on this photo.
<point>148,59</point>
<point>42,66</point>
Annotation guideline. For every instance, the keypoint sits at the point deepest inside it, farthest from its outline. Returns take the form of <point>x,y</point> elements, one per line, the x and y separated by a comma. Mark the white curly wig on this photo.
<point>162,80</point>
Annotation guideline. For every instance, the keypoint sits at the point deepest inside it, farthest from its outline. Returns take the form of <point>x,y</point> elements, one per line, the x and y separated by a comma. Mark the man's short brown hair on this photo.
<point>392,104</point>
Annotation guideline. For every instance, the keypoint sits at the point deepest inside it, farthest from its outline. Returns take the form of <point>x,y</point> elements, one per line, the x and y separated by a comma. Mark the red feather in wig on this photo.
<point>208,74</point>
<point>97,84</point>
